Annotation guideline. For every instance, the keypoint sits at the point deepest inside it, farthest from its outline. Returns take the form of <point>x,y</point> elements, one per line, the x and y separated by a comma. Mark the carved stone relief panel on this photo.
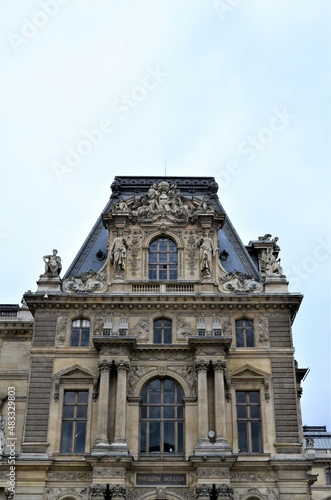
<point>62,331</point>
<point>263,330</point>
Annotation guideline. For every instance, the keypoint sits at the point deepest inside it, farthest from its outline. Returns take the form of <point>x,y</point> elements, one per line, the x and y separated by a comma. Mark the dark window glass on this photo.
<point>74,419</point>
<point>161,418</point>
<point>162,329</point>
<point>163,260</point>
<point>249,421</point>
<point>80,333</point>
<point>328,475</point>
<point>245,333</point>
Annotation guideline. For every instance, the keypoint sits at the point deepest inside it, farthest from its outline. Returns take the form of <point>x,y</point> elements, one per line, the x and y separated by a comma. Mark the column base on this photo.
<point>100,447</point>
<point>204,447</point>
<point>119,448</point>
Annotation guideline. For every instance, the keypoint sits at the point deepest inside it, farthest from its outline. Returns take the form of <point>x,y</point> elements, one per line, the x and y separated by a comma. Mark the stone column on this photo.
<point>119,443</point>
<point>220,414</point>
<point>201,367</point>
<point>101,442</point>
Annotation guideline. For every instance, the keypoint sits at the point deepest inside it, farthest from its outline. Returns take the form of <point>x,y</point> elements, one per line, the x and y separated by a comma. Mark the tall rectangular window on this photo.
<point>244,333</point>
<point>249,421</point>
<point>74,420</point>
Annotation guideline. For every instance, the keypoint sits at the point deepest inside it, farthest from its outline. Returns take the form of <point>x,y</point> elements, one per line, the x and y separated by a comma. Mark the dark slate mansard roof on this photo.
<point>238,258</point>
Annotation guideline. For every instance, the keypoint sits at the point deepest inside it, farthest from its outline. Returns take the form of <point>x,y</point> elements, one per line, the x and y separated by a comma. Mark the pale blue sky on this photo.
<point>239,90</point>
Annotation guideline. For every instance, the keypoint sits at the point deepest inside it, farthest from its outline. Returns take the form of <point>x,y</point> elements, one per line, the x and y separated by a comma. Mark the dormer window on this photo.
<point>163,260</point>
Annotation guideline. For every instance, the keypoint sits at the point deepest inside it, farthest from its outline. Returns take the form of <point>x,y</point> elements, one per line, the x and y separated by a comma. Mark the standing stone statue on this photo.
<point>53,265</point>
<point>270,264</point>
<point>118,253</point>
<point>207,251</point>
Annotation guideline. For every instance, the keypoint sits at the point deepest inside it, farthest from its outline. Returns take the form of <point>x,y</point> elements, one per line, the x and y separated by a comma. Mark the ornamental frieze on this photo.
<point>69,476</point>
<point>237,282</point>
<point>212,472</point>
<point>86,283</point>
<point>162,201</point>
<point>160,355</point>
<point>109,472</point>
<point>252,476</point>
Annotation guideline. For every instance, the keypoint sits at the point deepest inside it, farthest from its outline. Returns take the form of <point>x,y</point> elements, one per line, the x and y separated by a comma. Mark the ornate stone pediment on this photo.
<point>237,282</point>
<point>162,201</point>
<point>86,283</point>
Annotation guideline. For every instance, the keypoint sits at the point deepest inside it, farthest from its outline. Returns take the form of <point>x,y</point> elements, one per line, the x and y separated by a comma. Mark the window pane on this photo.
<point>85,323</point>
<point>255,412</point>
<point>180,447</point>
<point>254,397</point>
<point>82,412</point>
<point>80,437</point>
<point>157,337</point>
<point>180,412</point>
<point>68,412</point>
<point>76,323</point>
<point>154,437</point>
<point>241,412</point>
<point>152,257</point>
<point>249,338</point>
<point>169,412</point>
<point>82,397</point>
<point>75,338</point>
<point>154,412</point>
<point>241,397</point>
<point>240,338</point>
<point>256,437</point>
<point>167,337</point>
<point>66,440</point>
<point>162,275</point>
<point>169,437</point>
<point>143,437</point>
<point>69,397</point>
<point>242,437</point>
<point>152,274</point>
<point>85,338</point>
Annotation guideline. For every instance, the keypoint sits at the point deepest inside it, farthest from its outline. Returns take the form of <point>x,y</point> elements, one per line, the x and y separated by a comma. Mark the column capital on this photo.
<point>104,365</point>
<point>122,365</point>
<point>219,365</point>
<point>203,491</point>
<point>201,365</point>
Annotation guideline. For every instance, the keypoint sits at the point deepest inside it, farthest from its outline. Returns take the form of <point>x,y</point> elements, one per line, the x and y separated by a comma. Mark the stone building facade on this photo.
<point>160,365</point>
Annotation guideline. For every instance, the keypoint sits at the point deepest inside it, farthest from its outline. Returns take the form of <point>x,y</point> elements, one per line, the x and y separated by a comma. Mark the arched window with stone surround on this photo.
<point>162,260</point>
<point>162,419</point>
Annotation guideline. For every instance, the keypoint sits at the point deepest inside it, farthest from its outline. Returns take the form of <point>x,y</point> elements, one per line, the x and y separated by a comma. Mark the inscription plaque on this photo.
<point>143,479</point>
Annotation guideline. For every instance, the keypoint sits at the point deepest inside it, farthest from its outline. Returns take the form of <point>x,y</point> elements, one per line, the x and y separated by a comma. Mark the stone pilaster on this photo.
<point>101,443</point>
<point>119,444</point>
<point>219,367</point>
<point>201,367</point>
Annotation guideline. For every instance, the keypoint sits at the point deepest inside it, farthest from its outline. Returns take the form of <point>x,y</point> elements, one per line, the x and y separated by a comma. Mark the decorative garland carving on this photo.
<point>160,355</point>
<point>134,251</point>
<point>69,476</point>
<point>237,282</point>
<point>252,476</point>
<point>88,282</point>
<point>212,472</point>
<point>192,245</point>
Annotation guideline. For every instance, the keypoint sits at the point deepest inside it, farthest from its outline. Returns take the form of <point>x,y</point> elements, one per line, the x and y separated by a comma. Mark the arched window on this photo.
<point>80,333</point>
<point>163,260</point>
<point>244,333</point>
<point>162,331</point>
<point>162,418</point>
